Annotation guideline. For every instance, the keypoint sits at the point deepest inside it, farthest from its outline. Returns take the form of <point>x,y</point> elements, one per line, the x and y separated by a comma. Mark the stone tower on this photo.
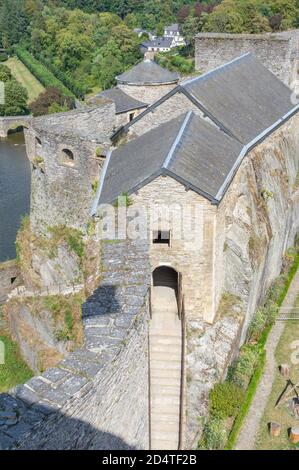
<point>67,151</point>
<point>147,81</point>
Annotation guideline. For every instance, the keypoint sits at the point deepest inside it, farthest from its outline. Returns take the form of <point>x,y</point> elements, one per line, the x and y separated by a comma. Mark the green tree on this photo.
<point>225,19</point>
<point>16,98</point>
<point>5,73</point>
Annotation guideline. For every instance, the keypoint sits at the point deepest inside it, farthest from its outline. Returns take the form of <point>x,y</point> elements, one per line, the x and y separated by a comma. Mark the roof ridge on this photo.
<point>177,140</point>
<point>236,59</point>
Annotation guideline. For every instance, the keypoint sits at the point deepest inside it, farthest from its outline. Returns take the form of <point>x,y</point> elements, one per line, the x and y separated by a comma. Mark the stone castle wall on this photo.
<point>147,94</point>
<point>171,108</point>
<point>62,188</point>
<point>190,254</point>
<point>10,278</point>
<point>278,52</point>
<point>97,398</point>
<point>240,254</point>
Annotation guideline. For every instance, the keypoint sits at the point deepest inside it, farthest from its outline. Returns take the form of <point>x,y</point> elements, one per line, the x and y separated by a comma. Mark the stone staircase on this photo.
<point>165,369</point>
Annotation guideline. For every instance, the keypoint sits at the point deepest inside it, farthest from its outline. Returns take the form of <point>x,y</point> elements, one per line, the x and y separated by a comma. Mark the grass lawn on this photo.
<point>25,78</point>
<point>14,371</point>
<point>281,414</point>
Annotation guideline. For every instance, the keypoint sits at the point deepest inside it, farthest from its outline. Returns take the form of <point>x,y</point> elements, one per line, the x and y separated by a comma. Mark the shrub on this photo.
<point>225,399</point>
<point>242,369</point>
<point>51,100</point>
<point>5,73</point>
<point>43,75</point>
<point>3,56</point>
<point>214,435</point>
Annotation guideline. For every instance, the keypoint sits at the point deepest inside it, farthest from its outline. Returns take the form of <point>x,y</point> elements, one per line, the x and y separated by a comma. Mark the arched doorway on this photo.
<point>165,364</point>
<point>166,276</point>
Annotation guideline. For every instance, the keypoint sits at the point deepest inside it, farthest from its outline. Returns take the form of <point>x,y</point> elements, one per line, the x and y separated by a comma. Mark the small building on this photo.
<point>147,81</point>
<point>173,32</point>
<point>151,34</point>
<point>126,107</point>
<point>157,45</point>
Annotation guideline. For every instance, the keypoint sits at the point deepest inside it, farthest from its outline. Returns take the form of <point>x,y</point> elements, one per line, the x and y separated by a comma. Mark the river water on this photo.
<point>14,191</point>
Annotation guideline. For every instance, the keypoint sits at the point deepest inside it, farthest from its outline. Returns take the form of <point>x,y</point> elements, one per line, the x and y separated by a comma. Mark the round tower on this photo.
<point>147,81</point>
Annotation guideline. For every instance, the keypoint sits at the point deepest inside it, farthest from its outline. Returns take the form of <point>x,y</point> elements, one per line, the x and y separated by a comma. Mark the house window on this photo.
<point>131,116</point>
<point>161,237</point>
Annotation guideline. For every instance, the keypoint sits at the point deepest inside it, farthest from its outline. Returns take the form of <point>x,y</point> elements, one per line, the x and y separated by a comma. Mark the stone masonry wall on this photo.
<point>276,51</point>
<point>9,278</point>
<point>259,217</point>
<point>97,398</point>
<point>62,189</point>
<point>192,257</point>
<point>148,94</point>
<point>173,107</point>
<point>11,123</point>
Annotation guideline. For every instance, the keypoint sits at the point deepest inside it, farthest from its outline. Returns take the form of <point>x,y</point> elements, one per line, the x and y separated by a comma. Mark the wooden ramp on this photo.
<point>165,369</point>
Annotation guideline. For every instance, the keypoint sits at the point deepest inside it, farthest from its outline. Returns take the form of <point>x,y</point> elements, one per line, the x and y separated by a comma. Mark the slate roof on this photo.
<point>246,103</point>
<point>187,148</point>
<point>173,27</point>
<point>243,96</point>
<point>123,102</point>
<point>158,43</point>
<point>147,72</point>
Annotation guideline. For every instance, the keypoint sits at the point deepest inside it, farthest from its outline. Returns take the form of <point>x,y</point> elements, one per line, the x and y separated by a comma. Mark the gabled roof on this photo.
<point>173,27</point>
<point>159,42</point>
<point>147,72</point>
<point>123,102</point>
<point>242,97</point>
<point>187,148</point>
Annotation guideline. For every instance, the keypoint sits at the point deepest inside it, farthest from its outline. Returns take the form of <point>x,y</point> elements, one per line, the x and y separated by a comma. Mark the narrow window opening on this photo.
<point>68,157</point>
<point>12,279</point>
<point>131,116</point>
<point>38,141</point>
<point>161,237</point>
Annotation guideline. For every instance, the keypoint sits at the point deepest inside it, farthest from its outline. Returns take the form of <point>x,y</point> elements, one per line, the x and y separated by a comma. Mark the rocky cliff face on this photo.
<point>257,222</point>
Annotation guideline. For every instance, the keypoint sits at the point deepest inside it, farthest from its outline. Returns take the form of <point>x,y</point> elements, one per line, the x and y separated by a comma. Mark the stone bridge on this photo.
<point>12,123</point>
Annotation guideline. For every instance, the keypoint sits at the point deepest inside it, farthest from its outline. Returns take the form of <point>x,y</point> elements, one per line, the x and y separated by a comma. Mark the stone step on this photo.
<point>165,429</point>
<point>165,356</point>
<point>163,374</point>
<point>159,444</point>
<point>165,381</point>
<point>165,348</point>
<point>161,363</point>
<point>165,339</point>
<point>169,418</point>
<point>157,400</point>
<point>168,389</point>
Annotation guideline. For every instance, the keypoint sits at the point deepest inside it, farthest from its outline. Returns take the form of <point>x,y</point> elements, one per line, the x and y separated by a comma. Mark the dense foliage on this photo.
<point>44,75</point>
<point>15,103</point>
<point>85,43</point>
<point>51,101</point>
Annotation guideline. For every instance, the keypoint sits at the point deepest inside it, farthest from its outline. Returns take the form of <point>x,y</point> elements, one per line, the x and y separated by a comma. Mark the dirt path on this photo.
<point>247,436</point>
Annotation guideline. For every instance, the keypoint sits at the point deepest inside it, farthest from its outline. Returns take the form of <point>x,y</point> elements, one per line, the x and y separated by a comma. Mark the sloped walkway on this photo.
<point>165,369</point>
<point>247,436</point>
